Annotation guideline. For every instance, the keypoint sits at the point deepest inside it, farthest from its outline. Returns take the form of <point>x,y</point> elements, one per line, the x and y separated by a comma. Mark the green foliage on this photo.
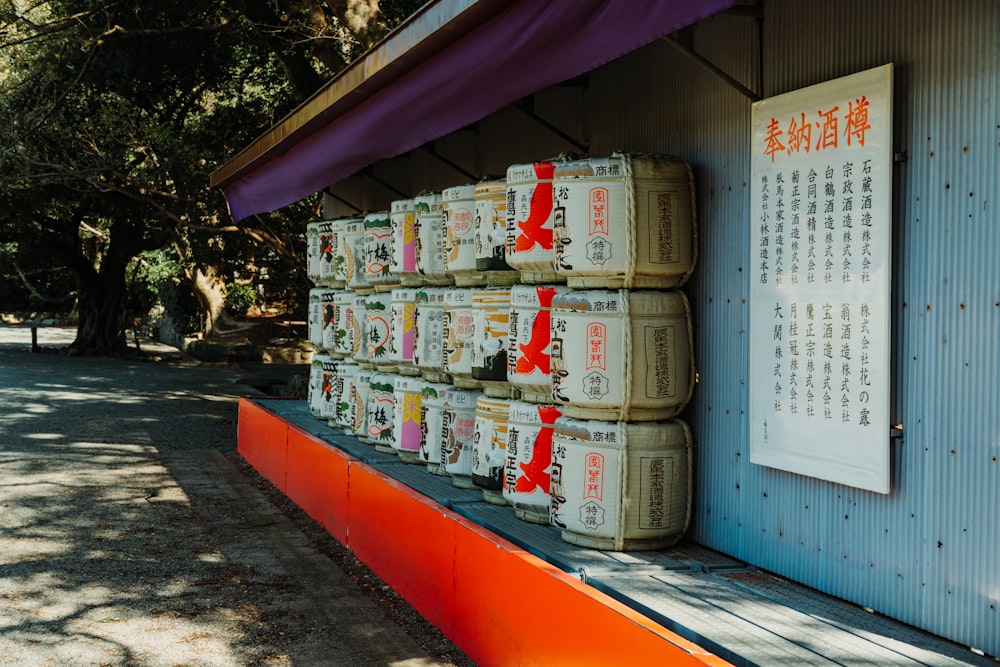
<point>240,298</point>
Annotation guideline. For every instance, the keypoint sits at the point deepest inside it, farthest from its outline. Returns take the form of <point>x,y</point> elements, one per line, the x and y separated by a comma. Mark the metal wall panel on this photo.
<point>928,553</point>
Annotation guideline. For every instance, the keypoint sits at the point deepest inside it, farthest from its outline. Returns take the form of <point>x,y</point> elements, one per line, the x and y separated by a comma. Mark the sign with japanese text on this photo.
<point>820,274</point>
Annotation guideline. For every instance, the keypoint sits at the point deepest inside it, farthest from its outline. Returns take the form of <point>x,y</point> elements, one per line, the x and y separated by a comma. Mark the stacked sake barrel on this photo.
<point>524,336</point>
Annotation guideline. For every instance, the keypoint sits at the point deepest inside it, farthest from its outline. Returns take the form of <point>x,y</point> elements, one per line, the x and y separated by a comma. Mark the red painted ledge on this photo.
<point>499,604</point>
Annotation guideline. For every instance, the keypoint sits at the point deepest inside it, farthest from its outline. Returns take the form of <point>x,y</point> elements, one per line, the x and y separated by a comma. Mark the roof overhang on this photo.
<point>452,63</point>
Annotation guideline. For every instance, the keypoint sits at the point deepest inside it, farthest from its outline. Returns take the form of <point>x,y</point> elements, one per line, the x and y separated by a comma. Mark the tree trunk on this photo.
<point>211,292</point>
<point>101,307</point>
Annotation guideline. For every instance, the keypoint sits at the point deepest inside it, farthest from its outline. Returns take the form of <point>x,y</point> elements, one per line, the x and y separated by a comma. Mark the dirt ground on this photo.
<point>132,533</point>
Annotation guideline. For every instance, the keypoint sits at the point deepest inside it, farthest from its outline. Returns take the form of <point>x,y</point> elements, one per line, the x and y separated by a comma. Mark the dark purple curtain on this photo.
<point>527,47</point>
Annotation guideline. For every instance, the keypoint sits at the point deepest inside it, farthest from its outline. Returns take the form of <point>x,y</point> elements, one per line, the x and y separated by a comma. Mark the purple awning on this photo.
<point>526,47</point>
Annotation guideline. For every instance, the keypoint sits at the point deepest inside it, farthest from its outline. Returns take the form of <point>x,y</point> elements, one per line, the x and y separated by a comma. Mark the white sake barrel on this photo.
<point>378,251</point>
<point>380,408</point>
<point>341,274</point>
<point>346,372</point>
<point>404,243</point>
<point>529,245</point>
<point>459,429</point>
<point>458,208</point>
<point>457,331</point>
<point>430,239</point>
<point>314,318</point>
<point>328,321</point>
<point>489,447</point>
<point>329,395</point>
<point>378,310</point>
<point>625,221</point>
<point>312,252</point>
<point>621,486</point>
<point>529,340</point>
<point>622,355</point>
<point>431,424</point>
<point>343,304</point>
<point>528,461</point>
<point>428,340</point>
<point>327,254</point>
<point>404,322</point>
<point>315,391</point>
<point>359,402</point>
<point>491,317</point>
<point>491,233</point>
<point>359,331</point>
<point>354,256</point>
<point>406,432</point>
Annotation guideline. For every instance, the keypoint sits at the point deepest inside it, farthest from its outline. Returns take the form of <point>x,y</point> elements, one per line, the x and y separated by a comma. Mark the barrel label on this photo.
<point>655,476</point>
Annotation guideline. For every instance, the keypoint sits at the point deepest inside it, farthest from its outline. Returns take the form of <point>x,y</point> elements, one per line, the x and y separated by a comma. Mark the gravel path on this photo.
<point>131,533</point>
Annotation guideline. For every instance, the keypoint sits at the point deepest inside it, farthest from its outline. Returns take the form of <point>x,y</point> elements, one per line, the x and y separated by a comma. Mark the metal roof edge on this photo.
<point>430,30</point>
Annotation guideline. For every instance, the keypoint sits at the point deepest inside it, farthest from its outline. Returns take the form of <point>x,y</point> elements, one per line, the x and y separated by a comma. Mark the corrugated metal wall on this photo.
<point>929,553</point>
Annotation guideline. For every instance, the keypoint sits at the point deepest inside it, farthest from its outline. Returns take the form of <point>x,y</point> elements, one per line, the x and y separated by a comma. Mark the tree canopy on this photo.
<point>114,112</point>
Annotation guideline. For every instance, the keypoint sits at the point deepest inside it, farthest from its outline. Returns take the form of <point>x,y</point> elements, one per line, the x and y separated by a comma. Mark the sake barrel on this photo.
<point>314,318</point>
<point>458,207</point>
<point>528,459</point>
<point>328,301</point>
<point>314,397</point>
<point>343,304</point>
<point>344,418</point>
<point>428,339</point>
<point>378,251</point>
<point>354,256</point>
<point>491,316</point>
<point>329,393</point>
<point>459,428</point>
<point>491,233</point>
<point>312,251</point>
<point>379,410</point>
<point>457,331</point>
<point>529,340</point>
<point>430,239</point>
<point>489,447</point>
<point>378,309</point>
<point>341,274</point>
<point>359,330</point>
<point>404,322</point>
<point>621,486</point>
<point>327,254</point>
<point>431,424</point>
<point>622,355</point>
<point>359,403</point>
<point>407,434</point>
<point>624,221</point>
<point>529,245</point>
<point>404,243</point>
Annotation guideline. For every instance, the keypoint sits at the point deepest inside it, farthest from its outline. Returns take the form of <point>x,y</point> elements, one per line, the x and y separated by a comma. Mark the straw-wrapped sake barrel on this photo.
<point>432,424</point>
<point>529,247</point>
<point>624,221</point>
<point>491,233</point>
<point>528,460</point>
<point>459,428</point>
<point>622,355</point>
<point>458,205</point>
<point>378,251</point>
<point>621,486</point>
<point>407,434</point>
<point>428,339</point>
<point>489,447</point>
<point>404,242</point>
<point>430,239</point>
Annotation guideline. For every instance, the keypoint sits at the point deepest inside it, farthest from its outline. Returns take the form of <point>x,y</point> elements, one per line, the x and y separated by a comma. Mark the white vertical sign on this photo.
<point>820,256</point>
